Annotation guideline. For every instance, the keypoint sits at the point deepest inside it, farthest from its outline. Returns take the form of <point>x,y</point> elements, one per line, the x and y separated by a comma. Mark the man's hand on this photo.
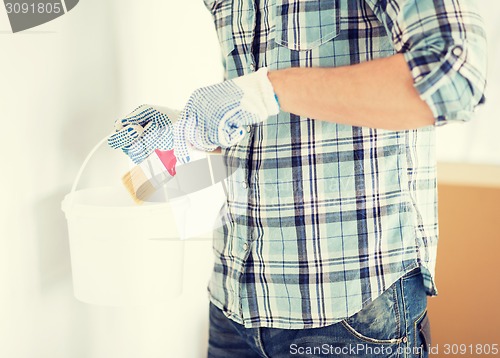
<point>145,129</point>
<point>214,116</point>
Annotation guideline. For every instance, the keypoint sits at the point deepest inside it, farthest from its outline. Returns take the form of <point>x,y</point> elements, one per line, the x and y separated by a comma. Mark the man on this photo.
<point>329,243</point>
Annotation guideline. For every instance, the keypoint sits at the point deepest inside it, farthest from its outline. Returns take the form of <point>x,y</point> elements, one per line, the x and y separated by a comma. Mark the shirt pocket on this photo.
<point>222,13</point>
<point>306,24</point>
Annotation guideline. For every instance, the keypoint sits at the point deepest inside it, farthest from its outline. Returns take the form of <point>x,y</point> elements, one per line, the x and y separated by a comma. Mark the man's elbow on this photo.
<point>454,84</point>
<point>456,99</point>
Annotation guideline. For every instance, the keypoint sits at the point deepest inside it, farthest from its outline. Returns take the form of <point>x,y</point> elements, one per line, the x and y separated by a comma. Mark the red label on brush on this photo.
<point>168,159</point>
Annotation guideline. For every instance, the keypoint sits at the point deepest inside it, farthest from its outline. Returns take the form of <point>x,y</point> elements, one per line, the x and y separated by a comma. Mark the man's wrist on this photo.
<point>258,93</point>
<point>275,77</point>
<point>266,89</point>
<point>269,77</point>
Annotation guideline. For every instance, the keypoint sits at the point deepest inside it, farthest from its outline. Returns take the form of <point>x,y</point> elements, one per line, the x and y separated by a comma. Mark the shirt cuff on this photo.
<point>444,83</point>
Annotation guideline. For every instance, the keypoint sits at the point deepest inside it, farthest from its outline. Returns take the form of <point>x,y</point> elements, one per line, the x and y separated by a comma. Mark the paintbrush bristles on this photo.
<point>138,185</point>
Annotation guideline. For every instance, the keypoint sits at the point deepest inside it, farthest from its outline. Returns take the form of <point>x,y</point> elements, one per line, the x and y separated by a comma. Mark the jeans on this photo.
<point>394,325</point>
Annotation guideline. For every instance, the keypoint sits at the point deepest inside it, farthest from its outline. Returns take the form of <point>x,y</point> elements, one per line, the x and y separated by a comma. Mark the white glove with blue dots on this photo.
<point>215,116</point>
<point>145,129</point>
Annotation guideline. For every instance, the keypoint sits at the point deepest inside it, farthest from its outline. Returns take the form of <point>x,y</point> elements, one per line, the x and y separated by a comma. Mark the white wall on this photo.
<point>62,85</point>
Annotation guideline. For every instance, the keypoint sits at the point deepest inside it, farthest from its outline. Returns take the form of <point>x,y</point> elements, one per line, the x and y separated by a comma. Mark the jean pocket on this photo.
<point>378,322</point>
<point>222,13</point>
<point>306,24</point>
<point>423,331</point>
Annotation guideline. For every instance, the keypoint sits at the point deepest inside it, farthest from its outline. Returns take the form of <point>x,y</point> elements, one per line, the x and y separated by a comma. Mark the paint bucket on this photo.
<point>122,254</point>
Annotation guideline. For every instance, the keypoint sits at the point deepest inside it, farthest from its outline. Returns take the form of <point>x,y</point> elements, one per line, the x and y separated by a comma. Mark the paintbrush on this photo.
<point>147,177</point>
<point>156,170</point>
<point>144,180</point>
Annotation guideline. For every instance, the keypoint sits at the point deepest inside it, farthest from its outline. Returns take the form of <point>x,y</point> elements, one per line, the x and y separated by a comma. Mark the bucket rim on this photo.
<point>69,205</point>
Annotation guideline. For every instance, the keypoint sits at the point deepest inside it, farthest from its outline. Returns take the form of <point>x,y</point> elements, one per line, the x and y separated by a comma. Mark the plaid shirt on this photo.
<point>321,218</point>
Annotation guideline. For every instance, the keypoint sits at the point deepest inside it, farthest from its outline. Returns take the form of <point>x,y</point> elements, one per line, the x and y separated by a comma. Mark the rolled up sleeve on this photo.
<point>444,44</point>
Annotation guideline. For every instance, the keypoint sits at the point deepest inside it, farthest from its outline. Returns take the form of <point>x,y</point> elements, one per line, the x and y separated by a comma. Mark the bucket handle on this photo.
<point>83,166</point>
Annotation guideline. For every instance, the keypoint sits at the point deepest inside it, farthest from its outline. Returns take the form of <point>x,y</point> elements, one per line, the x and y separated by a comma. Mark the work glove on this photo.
<point>215,116</point>
<point>145,129</point>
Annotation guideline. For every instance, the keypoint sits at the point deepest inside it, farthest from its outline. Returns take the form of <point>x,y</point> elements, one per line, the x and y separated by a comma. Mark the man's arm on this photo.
<point>437,76</point>
<point>376,94</point>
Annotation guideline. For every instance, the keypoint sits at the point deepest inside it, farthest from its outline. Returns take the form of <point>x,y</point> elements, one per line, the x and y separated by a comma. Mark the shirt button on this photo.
<point>249,128</point>
<point>244,185</point>
<point>457,51</point>
<point>245,246</point>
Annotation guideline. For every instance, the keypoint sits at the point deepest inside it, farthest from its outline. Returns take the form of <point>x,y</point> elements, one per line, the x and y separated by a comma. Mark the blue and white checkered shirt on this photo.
<point>322,217</point>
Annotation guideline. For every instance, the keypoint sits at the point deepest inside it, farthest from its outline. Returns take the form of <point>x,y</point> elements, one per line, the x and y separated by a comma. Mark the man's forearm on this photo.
<point>376,94</point>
